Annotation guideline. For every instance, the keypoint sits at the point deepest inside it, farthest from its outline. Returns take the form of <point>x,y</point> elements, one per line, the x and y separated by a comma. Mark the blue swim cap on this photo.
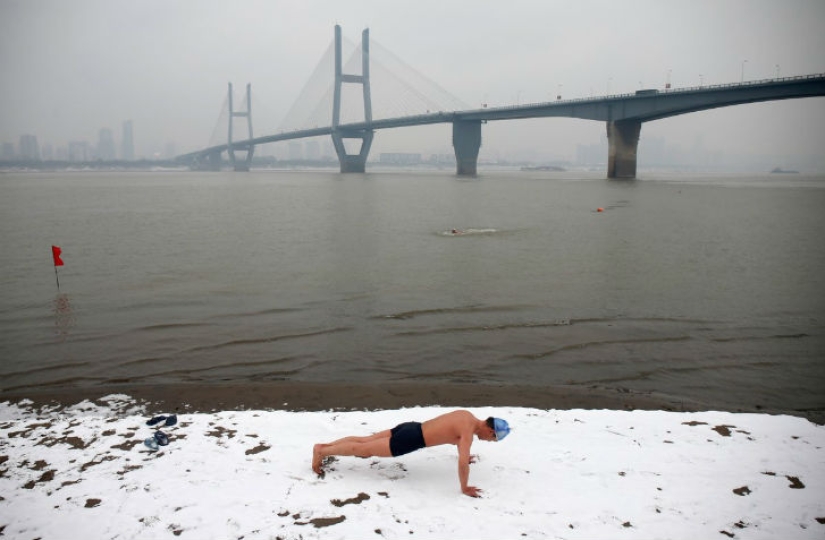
<point>501,427</point>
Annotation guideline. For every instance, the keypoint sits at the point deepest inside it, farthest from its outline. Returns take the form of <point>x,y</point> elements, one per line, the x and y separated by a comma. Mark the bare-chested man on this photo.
<point>457,427</point>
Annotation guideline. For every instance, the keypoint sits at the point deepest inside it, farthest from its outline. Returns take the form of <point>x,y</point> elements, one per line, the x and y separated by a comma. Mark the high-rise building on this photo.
<point>78,151</point>
<point>29,149</point>
<point>329,150</point>
<point>106,145</point>
<point>7,151</point>
<point>312,149</point>
<point>127,151</point>
<point>296,151</point>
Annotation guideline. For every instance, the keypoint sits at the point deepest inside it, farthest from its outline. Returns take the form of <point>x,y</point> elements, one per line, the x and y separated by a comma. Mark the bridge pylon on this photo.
<point>352,163</point>
<point>237,165</point>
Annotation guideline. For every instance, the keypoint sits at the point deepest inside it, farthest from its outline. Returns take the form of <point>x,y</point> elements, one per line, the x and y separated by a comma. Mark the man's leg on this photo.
<point>380,435</point>
<point>377,445</point>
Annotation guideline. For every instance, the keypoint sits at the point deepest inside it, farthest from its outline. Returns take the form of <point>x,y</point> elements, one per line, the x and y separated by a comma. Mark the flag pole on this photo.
<point>56,251</point>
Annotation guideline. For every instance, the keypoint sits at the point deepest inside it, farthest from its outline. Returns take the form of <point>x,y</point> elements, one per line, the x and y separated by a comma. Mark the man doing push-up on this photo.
<point>457,427</point>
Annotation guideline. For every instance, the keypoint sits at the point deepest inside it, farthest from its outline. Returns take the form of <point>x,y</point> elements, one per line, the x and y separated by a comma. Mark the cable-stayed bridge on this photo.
<point>404,90</point>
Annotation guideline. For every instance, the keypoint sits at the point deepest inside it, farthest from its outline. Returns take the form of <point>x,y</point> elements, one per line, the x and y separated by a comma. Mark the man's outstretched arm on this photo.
<point>464,460</point>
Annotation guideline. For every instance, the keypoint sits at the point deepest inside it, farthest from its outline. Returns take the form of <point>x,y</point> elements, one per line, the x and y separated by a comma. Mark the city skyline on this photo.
<point>166,66</point>
<point>107,148</point>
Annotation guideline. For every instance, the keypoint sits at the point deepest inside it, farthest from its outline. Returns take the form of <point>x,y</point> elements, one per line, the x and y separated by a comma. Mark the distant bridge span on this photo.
<point>623,115</point>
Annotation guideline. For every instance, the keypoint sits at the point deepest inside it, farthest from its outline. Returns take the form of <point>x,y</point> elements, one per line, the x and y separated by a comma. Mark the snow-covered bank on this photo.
<point>84,472</point>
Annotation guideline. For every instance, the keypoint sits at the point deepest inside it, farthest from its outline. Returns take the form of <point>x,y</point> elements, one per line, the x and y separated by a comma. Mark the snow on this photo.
<point>83,472</point>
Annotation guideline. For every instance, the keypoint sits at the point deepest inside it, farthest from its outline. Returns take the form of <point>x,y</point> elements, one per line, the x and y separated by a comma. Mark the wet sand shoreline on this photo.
<point>305,396</point>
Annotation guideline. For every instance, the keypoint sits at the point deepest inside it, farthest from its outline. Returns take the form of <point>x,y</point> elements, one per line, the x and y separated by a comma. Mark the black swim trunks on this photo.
<point>406,438</point>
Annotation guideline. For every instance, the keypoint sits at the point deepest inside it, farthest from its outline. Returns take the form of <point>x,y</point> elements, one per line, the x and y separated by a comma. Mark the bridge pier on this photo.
<point>352,163</point>
<point>466,143</point>
<point>623,142</point>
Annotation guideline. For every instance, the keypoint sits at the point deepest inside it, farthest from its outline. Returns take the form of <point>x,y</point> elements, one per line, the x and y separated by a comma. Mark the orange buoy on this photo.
<point>600,209</point>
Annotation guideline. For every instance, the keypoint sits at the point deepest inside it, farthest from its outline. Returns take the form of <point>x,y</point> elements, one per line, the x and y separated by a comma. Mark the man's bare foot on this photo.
<point>317,460</point>
<point>472,491</point>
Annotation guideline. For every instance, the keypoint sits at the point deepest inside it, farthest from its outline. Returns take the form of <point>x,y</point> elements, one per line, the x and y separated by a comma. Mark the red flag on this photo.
<point>56,251</point>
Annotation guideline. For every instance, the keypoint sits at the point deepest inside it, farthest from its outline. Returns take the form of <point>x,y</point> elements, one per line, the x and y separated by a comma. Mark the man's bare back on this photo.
<point>457,427</point>
<point>449,428</point>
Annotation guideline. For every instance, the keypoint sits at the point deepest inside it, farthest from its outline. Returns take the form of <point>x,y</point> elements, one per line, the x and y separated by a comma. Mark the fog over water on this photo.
<point>70,69</point>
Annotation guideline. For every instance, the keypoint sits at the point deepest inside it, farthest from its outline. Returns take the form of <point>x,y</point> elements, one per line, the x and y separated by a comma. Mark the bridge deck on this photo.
<point>645,105</point>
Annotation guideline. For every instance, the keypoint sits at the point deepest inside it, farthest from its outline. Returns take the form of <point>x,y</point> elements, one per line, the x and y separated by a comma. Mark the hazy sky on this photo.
<point>72,67</point>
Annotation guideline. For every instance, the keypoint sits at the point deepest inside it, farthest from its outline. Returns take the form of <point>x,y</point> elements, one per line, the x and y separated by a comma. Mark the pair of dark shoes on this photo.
<point>160,438</point>
<point>170,420</point>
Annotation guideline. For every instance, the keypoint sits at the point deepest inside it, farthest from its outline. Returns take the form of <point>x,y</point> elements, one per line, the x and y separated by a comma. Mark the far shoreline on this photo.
<point>308,396</point>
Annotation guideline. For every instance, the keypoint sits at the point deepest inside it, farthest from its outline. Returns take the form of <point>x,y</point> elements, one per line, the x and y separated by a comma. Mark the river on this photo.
<point>699,287</point>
